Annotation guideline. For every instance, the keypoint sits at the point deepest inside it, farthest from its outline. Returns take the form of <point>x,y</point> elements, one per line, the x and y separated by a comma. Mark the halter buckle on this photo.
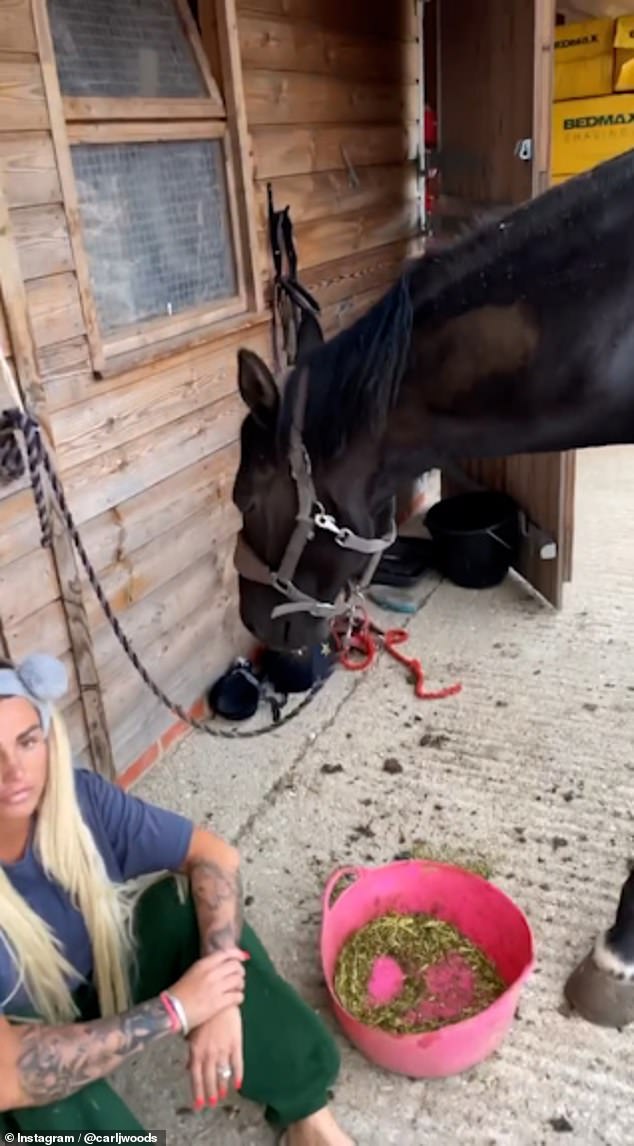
<point>282,585</point>
<point>327,522</point>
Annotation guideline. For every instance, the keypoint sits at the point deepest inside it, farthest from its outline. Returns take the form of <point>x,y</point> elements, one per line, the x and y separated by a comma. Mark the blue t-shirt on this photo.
<point>133,837</point>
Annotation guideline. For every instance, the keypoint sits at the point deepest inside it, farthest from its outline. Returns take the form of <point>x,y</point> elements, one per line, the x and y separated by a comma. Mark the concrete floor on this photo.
<point>530,767</point>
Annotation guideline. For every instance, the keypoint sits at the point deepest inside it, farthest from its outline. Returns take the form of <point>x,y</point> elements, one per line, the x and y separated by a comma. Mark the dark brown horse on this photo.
<point>519,339</point>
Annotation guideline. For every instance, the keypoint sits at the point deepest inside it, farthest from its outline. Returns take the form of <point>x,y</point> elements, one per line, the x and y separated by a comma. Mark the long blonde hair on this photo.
<point>69,855</point>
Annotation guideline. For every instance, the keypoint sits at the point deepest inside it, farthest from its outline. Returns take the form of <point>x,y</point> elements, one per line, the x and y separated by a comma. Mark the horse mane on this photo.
<point>537,248</point>
<point>532,247</point>
<point>355,377</point>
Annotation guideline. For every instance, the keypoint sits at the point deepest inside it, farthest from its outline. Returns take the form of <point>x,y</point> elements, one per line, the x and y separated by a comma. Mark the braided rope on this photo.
<point>11,460</point>
<point>16,421</point>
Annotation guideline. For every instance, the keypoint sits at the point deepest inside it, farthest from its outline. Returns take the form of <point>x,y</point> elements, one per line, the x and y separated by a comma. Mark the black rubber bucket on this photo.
<point>476,538</point>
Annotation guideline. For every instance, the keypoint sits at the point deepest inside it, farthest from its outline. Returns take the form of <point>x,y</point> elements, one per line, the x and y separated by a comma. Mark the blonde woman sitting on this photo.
<point>92,970</point>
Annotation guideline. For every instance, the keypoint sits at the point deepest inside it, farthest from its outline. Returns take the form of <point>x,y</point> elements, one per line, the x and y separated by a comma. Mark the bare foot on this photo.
<point>318,1130</point>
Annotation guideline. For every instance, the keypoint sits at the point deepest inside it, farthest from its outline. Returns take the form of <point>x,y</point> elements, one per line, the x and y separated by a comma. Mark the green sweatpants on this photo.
<point>290,1059</point>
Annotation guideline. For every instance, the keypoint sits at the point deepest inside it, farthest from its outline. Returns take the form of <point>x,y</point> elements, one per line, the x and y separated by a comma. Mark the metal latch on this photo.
<point>537,538</point>
<point>548,552</point>
<point>524,150</point>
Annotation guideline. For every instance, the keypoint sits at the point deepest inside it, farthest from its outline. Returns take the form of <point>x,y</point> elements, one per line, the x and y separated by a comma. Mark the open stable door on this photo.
<point>494,90</point>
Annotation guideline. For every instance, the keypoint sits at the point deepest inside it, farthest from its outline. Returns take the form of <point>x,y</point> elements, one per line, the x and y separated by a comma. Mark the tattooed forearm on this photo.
<point>217,893</point>
<point>54,1062</point>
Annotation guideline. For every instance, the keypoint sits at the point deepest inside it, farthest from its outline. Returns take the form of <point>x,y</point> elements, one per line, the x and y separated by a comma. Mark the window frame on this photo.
<point>103,120</point>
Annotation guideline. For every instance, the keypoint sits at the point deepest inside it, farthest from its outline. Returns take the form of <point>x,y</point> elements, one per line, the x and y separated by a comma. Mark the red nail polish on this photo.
<point>199,1103</point>
<point>238,1084</point>
<point>213,1101</point>
<point>223,1094</point>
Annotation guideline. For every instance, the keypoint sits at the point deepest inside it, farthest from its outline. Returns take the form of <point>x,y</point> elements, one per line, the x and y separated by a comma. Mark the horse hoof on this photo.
<point>599,996</point>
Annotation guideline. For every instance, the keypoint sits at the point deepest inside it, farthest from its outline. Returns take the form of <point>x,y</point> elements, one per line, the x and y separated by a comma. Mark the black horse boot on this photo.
<point>601,988</point>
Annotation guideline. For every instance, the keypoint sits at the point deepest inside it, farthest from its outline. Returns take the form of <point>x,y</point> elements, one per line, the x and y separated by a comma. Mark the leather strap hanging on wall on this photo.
<point>294,308</point>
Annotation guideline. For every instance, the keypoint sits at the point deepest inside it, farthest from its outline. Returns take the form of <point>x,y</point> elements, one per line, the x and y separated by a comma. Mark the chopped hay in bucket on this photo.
<point>436,975</point>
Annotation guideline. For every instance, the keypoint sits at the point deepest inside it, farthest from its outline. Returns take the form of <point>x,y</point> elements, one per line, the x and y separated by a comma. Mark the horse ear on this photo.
<point>309,337</point>
<point>257,387</point>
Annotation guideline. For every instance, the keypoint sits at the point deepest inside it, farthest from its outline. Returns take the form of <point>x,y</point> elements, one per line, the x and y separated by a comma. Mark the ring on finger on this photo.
<point>225,1072</point>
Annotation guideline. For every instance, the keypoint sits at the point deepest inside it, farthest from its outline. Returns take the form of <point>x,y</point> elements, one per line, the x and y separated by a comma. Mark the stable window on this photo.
<point>144,152</point>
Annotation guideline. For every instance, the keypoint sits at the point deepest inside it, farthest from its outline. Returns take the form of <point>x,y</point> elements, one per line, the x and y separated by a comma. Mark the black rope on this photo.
<point>11,459</point>
<point>38,461</point>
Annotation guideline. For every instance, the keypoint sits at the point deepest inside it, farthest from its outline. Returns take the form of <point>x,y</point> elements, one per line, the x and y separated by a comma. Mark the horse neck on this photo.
<point>421,436</point>
<point>532,362</point>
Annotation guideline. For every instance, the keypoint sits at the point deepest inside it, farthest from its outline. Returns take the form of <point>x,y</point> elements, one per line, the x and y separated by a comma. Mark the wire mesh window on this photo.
<point>156,228</point>
<point>123,49</point>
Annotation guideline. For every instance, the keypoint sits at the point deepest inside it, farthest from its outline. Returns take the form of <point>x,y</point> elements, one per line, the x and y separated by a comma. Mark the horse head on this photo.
<point>517,339</point>
<point>309,535</point>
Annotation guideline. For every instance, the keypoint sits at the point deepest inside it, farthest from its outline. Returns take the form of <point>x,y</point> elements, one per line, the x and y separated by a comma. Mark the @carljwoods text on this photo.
<point>88,1138</point>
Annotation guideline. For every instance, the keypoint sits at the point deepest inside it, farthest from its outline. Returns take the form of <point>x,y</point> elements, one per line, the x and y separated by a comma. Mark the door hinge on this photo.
<point>524,150</point>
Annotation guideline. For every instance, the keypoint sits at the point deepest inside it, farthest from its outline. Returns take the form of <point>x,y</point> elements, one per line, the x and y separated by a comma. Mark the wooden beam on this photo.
<point>15,303</point>
<point>148,333</point>
<point>228,44</point>
<point>119,131</point>
<point>198,50</point>
<point>543,93</point>
<point>67,177</point>
<point>102,109</point>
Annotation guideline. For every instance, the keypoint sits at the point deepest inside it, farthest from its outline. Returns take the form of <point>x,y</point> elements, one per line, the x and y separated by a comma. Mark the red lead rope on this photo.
<point>358,649</point>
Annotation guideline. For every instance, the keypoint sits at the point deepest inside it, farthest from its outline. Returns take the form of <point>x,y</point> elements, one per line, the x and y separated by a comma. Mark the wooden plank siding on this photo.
<point>332,94</point>
<point>35,237</point>
<point>17,33</point>
<point>372,18</point>
<point>147,454</point>
<point>22,103</point>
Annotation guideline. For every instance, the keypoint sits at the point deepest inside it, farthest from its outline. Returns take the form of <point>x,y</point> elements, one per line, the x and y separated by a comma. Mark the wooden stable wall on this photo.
<point>332,101</point>
<point>147,456</point>
<point>147,459</point>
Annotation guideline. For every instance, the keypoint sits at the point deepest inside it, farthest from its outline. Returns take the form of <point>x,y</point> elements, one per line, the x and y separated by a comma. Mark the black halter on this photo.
<point>310,517</point>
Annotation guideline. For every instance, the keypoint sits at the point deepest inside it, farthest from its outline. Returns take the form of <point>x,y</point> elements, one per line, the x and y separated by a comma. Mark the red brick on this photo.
<point>136,770</point>
<point>199,710</point>
<point>174,733</point>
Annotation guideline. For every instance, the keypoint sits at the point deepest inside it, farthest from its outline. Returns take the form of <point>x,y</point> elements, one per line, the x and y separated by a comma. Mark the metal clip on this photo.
<point>326,522</point>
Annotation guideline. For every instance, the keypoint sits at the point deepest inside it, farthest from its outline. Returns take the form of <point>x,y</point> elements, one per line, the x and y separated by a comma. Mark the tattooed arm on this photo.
<point>44,1064</point>
<point>41,1063</point>
<point>213,868</point>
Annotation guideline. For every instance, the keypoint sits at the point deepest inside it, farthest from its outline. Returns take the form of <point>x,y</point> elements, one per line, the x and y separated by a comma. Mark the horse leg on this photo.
<point>601,988</point>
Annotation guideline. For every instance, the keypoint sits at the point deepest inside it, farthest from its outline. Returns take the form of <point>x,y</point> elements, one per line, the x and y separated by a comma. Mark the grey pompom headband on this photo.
<point>40,679</point>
